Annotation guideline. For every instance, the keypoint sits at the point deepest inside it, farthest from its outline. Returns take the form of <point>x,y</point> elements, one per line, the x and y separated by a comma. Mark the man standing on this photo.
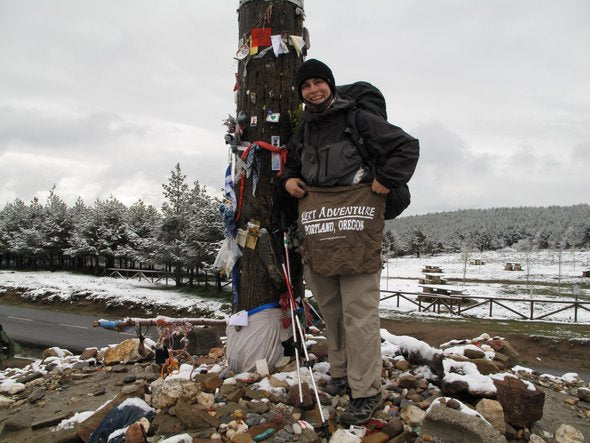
<point>323,156</point>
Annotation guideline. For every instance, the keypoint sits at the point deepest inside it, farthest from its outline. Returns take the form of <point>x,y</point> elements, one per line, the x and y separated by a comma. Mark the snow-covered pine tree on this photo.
<point>56,227</point>
<point>204,231</point>
<point>175,212</point>
<point>144,223</point>
<point>27,240</point>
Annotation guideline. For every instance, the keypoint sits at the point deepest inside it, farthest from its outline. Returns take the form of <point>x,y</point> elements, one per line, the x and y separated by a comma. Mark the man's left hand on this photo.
<point>378,188</point>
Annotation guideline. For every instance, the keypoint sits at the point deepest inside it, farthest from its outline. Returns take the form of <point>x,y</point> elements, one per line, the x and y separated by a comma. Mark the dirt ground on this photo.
<point>556,348</point>
<point>545,347</point>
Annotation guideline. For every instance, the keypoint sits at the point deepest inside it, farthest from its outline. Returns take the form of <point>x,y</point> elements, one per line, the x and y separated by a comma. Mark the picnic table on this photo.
<point>442,289</point>
<point>431,269</point>
<point>512,266</point>
<point>433,278</point>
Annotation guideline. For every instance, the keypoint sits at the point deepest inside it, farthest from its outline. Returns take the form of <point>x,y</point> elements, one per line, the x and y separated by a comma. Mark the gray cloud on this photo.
<point>41,130</point>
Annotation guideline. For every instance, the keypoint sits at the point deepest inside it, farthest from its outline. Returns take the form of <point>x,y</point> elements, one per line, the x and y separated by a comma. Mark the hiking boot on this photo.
<point>337,386</point>
<point>360,410</point>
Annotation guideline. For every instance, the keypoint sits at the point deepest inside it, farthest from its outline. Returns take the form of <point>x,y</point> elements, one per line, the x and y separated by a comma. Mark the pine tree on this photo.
<point>204,232</point>
<point>56,228</point>
<point>144,223</point>
<point>175,211</point>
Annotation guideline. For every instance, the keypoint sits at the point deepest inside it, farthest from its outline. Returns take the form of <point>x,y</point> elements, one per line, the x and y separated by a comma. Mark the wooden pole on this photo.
<point>264,88</point>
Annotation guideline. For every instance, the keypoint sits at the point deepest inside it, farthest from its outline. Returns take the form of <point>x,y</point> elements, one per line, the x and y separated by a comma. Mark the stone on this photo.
<point>522,407</point>
<point>12,388</point>
<point>241,437</point>
<point>128,351</point>
<point>235,395</point>
<point>276,383</point>
<point>205,399</point>
<point>194,416</point>
<point>502,359</point>
<point>129,379</point>
<point>402,365</point>
<point>473,353</point>
<point>454,387</point>
<point>485,366</point>
<point>376,437</point>
<point>99,391</point>
<point>215,353</point>
<point>492,411</point>
<point>510,352</point>
<point>259,407</point>
<point>407,381</point>
<point>343,436</point>
<point>5,402</point>
<point>405,437</point>
<point>36,395</point>
<point>536,439</point>
<point>17,422</point>
<point>247,377</point>
<point>165,424</point>
<point>136,432</point>
<point>56,352</point>
<point>294,399</point>
<point>211,383</point>
<point>45,423</point>
<point>416,398</point>
<point>412,415</point>
<point>448,424</point>
<point>29,377</point>
<point>254,394</point>
<point>165,393</point>
<point>453,404</point>
<point>282,362</point>
<point>568,434</point>
<point>201,341</point>
<point>394,427</point>
<point>130,389</point>
<point>313,417</point>
<point>89,353</point>
<point>584,394</point>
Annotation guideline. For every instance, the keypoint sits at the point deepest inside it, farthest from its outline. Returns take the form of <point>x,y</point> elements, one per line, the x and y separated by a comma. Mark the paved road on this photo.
<point>43,328</point>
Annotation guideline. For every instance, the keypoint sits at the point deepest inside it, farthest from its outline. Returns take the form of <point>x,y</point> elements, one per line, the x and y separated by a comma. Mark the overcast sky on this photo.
<point>104,97</point>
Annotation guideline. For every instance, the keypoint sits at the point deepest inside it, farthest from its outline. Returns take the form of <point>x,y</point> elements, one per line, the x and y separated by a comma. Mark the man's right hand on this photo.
<point>294,186</point>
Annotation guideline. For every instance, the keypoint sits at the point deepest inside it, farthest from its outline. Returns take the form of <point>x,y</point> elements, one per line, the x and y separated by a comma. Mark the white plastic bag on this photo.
<point>228,255</point>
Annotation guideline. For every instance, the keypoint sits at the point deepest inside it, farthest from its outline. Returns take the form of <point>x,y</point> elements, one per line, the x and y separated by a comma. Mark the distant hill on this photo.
<point>488,229</point>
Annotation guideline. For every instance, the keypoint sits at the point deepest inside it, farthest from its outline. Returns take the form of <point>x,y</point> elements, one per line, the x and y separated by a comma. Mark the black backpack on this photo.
<point>368,98</point>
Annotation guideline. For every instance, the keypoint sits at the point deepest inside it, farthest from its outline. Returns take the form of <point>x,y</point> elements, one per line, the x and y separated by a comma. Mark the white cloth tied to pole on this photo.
<point>261,339</point>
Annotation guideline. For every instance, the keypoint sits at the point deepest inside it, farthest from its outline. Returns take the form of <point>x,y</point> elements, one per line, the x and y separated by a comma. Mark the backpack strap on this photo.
<point>359,142</point>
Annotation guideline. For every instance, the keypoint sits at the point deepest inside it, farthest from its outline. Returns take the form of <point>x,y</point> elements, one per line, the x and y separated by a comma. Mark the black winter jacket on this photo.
<point>327,155</point>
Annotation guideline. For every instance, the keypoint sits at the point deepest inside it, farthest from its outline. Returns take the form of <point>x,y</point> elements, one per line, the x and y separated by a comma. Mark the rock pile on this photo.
<point>466,391</point>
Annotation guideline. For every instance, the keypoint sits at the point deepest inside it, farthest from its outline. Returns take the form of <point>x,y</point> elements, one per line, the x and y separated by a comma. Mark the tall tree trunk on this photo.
<point>265,85</point>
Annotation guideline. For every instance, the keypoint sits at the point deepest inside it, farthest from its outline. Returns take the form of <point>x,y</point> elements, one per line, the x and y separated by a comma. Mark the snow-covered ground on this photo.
<point>64,286</point>
<point>546,280</point>
<point>400,274</point>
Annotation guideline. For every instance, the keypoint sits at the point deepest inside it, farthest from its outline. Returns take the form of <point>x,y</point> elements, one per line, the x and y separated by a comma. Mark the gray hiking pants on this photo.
<point>350,307</point>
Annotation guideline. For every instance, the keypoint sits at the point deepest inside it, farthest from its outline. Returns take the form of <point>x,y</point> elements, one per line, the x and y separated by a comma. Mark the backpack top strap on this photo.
<point>352,129</point>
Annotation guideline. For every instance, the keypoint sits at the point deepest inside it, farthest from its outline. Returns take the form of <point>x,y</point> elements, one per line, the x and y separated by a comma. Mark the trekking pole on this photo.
<point>298,330</point>
<point>296,347</point>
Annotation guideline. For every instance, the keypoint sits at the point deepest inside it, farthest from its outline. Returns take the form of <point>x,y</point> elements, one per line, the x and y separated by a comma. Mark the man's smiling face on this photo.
<point>315,90</point>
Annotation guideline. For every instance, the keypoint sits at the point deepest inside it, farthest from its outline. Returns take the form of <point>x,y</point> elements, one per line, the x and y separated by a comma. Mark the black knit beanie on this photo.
<point>313,68</point>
